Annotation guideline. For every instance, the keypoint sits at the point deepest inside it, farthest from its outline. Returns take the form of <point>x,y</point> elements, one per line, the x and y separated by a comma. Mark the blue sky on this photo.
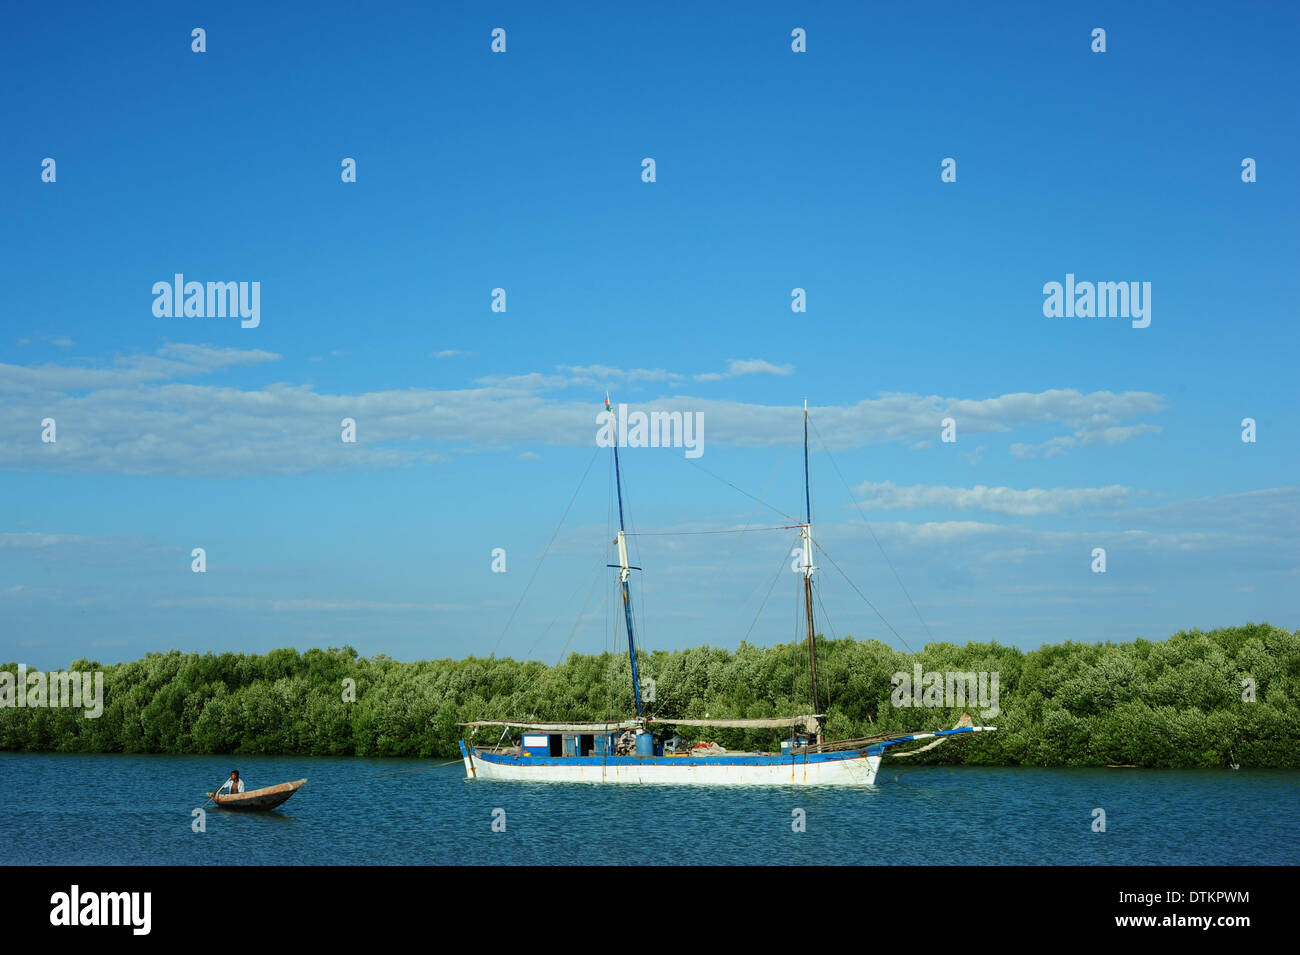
<point>775,170</point>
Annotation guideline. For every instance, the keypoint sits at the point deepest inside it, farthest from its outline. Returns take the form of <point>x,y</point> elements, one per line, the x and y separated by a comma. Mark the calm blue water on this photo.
<point>136,810</point>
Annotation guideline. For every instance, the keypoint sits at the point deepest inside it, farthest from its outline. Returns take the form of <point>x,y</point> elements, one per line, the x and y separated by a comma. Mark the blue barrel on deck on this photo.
<point>645,744</point>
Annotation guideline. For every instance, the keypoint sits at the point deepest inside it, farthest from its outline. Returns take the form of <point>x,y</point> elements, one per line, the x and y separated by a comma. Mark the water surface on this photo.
<point>137,810</point>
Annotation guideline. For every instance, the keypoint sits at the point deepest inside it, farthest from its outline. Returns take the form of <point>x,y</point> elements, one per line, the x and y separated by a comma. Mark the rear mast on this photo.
<point>805,534</point>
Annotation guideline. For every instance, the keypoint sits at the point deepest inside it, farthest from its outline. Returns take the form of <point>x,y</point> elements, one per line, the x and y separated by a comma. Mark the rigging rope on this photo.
<point>825,616</point>
<point>699,614</point>
<point>548,672</point>
<point>600,562</point>
<point>741,490</point>
<point>742,530</point>
<point>577,623</point>
<point>779,568</point>
<point>538,568</point>
<point>864,597</point>
<point>888,563</point>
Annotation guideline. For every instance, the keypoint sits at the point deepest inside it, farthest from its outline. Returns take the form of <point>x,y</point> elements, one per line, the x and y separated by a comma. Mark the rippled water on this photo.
<point>136,810</point>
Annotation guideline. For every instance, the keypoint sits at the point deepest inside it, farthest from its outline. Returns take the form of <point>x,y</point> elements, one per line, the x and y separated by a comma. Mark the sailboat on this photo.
<point>630,750</point>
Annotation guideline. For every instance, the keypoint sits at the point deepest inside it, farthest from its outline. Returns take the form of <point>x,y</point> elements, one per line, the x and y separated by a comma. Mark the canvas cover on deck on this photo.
<point>809,723</point>
<point>610,727</point>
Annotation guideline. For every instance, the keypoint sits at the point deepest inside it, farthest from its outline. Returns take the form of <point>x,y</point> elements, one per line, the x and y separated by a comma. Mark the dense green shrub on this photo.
<point>1171,703</point>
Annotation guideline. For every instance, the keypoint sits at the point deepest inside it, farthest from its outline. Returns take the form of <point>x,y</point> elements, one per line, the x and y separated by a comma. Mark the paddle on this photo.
<point>210,799</point>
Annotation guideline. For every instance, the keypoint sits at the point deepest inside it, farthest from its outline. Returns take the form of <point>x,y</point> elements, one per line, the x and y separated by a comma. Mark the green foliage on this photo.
<point>1158,704</point>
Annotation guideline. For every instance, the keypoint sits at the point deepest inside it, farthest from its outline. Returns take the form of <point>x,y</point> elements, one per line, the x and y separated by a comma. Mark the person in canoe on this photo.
<point>234,782</point>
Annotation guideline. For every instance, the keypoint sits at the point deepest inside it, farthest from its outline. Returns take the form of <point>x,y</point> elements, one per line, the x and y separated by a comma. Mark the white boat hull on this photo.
<point>856,769</point>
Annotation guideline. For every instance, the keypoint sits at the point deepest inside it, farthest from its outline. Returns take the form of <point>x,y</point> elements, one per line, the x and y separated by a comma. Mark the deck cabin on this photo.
<point>585,744</point>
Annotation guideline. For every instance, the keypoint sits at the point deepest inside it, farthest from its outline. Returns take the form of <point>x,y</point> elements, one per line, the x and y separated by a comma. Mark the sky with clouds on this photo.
<point>476,429</point>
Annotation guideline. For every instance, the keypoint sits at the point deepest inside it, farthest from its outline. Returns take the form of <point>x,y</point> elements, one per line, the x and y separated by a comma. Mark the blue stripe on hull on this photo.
<point>773,759</point>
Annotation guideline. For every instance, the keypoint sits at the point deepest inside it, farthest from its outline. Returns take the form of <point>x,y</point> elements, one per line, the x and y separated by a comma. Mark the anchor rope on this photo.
<point>400,772</point>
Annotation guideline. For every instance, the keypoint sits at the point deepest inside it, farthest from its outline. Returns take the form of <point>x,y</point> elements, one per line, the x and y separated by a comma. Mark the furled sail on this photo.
<point>810,723</point>
<point>609,727</point>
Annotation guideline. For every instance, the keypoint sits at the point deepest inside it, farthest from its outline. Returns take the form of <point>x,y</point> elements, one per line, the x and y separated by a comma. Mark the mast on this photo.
<point>805,533</point>
<point>624,569</point>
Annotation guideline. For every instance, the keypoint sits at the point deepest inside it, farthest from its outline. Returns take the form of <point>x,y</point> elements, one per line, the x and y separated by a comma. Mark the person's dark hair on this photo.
<point>234,772</point>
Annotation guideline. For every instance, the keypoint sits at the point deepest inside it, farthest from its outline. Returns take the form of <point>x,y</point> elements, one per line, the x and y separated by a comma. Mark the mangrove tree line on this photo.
<point>1196,699</point>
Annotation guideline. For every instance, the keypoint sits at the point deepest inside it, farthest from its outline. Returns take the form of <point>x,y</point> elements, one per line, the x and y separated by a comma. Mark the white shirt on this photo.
<point>240,788</point>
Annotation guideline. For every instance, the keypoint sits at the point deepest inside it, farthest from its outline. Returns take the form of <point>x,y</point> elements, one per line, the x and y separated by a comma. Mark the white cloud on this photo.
<point>531,383</point>
<point>30,539</point>
<point>1018,543</point>
<point>177,361</point>
<point>752,366</point>
<point>208,357</point>
<point>585,376</point>
<point>1084,437</point>
<point>1268,509</point>
<point>1005,500</point>
<point>139,415</point>
<point>1117,435</point>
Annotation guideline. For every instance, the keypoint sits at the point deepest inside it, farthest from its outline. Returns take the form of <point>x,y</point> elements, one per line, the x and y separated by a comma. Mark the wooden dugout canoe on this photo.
<point>258,800</point>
